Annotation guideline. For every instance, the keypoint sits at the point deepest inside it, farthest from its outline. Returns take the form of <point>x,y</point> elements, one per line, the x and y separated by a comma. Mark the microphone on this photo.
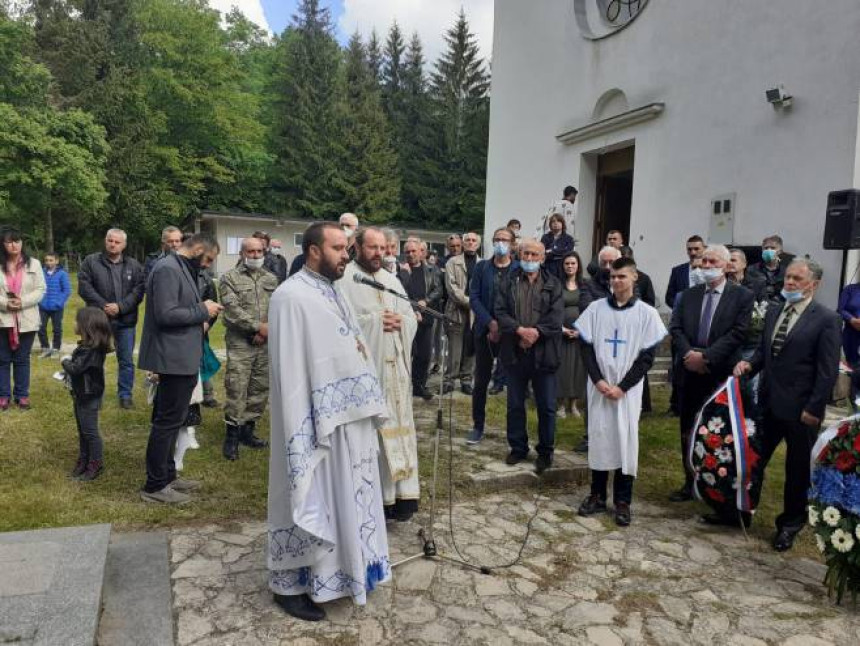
<point>363,280</point>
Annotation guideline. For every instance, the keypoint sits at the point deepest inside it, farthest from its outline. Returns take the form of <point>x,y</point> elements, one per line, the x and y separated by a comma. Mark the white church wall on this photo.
<point>710,64</point>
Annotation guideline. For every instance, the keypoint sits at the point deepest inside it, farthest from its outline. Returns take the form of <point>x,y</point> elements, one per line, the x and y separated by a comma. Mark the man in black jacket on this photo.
<point>798,359</point>
<point>172,347</point>
<point>709,326</point>
<point>171,240</point>
<point>114,283</point>
<point>529,309</point>
<point>423,283</point>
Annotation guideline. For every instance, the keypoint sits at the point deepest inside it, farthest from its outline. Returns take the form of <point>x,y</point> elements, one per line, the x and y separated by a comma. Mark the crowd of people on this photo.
<point>343,340</point>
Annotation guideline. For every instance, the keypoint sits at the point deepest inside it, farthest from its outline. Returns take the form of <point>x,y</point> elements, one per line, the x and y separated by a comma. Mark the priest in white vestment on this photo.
<point>327,536</point>
<point>620,335</point>
<point>389,324</point>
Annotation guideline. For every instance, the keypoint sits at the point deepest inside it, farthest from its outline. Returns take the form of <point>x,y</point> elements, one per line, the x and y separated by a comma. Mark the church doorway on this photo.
<point>614,195</point>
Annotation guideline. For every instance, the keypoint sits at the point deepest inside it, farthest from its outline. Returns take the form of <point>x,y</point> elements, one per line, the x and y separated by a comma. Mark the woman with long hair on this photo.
<point>22,286</point>
<point>571,373</point>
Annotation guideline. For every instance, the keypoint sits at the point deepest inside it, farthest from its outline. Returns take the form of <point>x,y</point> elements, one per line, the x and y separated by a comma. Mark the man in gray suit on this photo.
<point>172,347</point>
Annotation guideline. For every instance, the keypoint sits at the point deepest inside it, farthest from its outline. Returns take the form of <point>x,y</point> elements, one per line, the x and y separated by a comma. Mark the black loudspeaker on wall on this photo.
<point>842,225</point>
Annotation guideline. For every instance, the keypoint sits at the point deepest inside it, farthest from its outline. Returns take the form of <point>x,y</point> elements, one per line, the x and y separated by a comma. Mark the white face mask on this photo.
<point>276,251</point>
<point>712,274</point>
<point>349,231</point>
<point>696,276</point>
<point>254,263</point>
<point>390,263</point>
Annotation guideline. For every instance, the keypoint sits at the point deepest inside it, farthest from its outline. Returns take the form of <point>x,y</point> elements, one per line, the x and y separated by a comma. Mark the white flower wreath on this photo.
<point>831,516</point>
<point>842,541</point>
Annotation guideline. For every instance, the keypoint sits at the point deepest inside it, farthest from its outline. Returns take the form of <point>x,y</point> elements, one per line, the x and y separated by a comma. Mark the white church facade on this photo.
<point>732,119</point>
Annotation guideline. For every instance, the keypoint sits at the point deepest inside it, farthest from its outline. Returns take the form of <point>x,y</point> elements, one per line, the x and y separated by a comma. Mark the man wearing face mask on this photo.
<point>245,293</point>
<point>172,347</point>
<point>529,308</point>
<point>598,287</point>
<point>798,359</point>
<point>349,223</point>
<point>709,326</point>
<point>683,276</point>
<point>772,266</point>
<point>458,274</point>
<point>487,277</point>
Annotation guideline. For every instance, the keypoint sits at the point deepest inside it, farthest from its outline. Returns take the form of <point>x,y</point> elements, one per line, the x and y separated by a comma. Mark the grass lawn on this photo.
<point>40,447</point>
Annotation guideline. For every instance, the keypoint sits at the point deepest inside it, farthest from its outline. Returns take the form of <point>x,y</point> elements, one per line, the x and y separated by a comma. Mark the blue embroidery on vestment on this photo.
<point>331,399</point>
<point>293,542</point>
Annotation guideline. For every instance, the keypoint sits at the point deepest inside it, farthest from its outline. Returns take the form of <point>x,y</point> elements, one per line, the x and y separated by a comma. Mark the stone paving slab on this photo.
<point>664,580</point>
<point>138,608</point>
<point>51,585</point>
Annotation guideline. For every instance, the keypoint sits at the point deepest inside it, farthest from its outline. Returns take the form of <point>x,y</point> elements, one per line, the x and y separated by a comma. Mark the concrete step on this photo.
<point>137,609</point>
<point>51,585</point>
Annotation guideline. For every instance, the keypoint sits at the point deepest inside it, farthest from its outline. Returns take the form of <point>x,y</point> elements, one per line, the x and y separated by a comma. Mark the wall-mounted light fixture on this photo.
<point>779,98</point>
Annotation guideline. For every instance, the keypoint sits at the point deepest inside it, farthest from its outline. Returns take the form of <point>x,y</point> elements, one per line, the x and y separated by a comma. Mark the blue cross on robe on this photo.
<point>615,343</point>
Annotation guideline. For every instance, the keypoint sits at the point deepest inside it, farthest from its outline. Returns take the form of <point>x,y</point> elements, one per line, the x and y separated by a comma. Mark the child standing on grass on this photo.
<point>86,372</point>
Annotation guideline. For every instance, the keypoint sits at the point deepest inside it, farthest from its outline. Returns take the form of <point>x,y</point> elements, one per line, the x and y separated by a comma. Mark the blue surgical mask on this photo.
<point>768,255</point>
<point>792,297</point>
<point>530,266</point>
<point>501,248</point>
<point>696,277</point>
<point>711,274</point>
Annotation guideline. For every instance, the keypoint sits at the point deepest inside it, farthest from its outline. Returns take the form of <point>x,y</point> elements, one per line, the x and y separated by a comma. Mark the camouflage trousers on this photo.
<point>246,381</point>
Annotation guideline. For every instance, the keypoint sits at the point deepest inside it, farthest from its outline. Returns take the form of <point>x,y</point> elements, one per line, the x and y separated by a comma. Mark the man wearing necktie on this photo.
<point>709,325</point>
<point>798,359</point>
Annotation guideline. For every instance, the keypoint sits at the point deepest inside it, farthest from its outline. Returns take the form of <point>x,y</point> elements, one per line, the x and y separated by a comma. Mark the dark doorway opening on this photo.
<point>614,195</point>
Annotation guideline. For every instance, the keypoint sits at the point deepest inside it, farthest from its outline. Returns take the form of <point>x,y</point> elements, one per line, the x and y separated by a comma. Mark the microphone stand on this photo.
<point>429,550</point>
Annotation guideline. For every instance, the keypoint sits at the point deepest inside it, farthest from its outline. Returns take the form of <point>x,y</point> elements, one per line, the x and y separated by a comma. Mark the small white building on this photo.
<point>230,228</point>
<point>732,119</point>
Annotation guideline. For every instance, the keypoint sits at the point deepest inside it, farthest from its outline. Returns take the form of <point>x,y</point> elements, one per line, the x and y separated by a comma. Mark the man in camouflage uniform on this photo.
<point>245,293</point>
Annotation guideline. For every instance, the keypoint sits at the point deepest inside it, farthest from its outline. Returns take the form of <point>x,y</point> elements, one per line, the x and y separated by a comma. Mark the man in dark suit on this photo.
<point>798,358</point>
<point>679,280</point>
<point>709,325</point>
<point>172,347</point>
<point>736,271</point>
<point>423,283</point>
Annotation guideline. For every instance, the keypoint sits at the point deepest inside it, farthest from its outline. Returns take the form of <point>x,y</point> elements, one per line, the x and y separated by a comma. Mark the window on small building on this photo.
<point>234,246</point>
<point>298,238</point>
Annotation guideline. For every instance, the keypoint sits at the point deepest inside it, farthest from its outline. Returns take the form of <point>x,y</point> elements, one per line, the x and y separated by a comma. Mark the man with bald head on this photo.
<point>389,325</point>
<point>709,327</point>
<point>245,293</point>
<point>529,309</point>
<point>598,286</point>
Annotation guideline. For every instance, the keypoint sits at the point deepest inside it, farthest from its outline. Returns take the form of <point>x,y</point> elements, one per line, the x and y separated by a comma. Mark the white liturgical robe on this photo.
<point>391,353</point>
<point>617,336</point>
<point>327,535</point>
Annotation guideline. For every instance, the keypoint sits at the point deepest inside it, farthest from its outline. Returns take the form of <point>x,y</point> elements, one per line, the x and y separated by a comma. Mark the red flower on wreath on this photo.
<point>722,398</point>
<point>715,495</point>
<point>710,462</point>
<point>825,454</point>
<point>845,461</point>
<point>857,442</point>
<point>714,441</point>
<point>843,429</point>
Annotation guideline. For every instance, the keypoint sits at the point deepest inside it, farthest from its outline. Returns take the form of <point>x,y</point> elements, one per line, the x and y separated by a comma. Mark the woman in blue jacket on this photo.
<point>54,302</point>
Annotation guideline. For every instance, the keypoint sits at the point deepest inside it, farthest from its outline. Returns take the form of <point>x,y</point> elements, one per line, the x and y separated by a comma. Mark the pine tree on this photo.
<point>305,137</point>
<point>375,57</point>
<point>460,87</point>
<point>369,171</point>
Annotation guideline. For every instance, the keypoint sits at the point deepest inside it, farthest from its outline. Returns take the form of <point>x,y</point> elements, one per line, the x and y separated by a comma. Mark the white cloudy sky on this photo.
<point>430,18</point>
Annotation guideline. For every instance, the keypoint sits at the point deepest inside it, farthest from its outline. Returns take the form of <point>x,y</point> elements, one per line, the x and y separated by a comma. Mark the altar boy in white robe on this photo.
<point>389,325</point>
<point>327,536</point>
<point>620,335</point>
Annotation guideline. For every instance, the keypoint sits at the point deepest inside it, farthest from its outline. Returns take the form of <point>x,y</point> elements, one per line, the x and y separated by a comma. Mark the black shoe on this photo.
<point>466,389</point>
<point>423,392</point>
<point>727,521</point>
<point>300,606</point>
<point>495,390</point>
<point>515,458</point>
<point>126,403</point>
<point>784,540</point>
<point>403,516</point>
<point>594,504</point>
<point>683,494</point>
<point>210,403</point>
<point>435,369</point>
<point>582,447</point>
<point>542,463</point>
<point>231,441</point>
<point>247,437</point>
<point>447,388</point>
<point>622,514</point>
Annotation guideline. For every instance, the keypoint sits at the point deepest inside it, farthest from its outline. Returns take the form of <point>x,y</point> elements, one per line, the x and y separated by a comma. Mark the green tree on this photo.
<point>460,88</point>
<point>375,57</point>
<point>305,134</point>
<point>369,175</point>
